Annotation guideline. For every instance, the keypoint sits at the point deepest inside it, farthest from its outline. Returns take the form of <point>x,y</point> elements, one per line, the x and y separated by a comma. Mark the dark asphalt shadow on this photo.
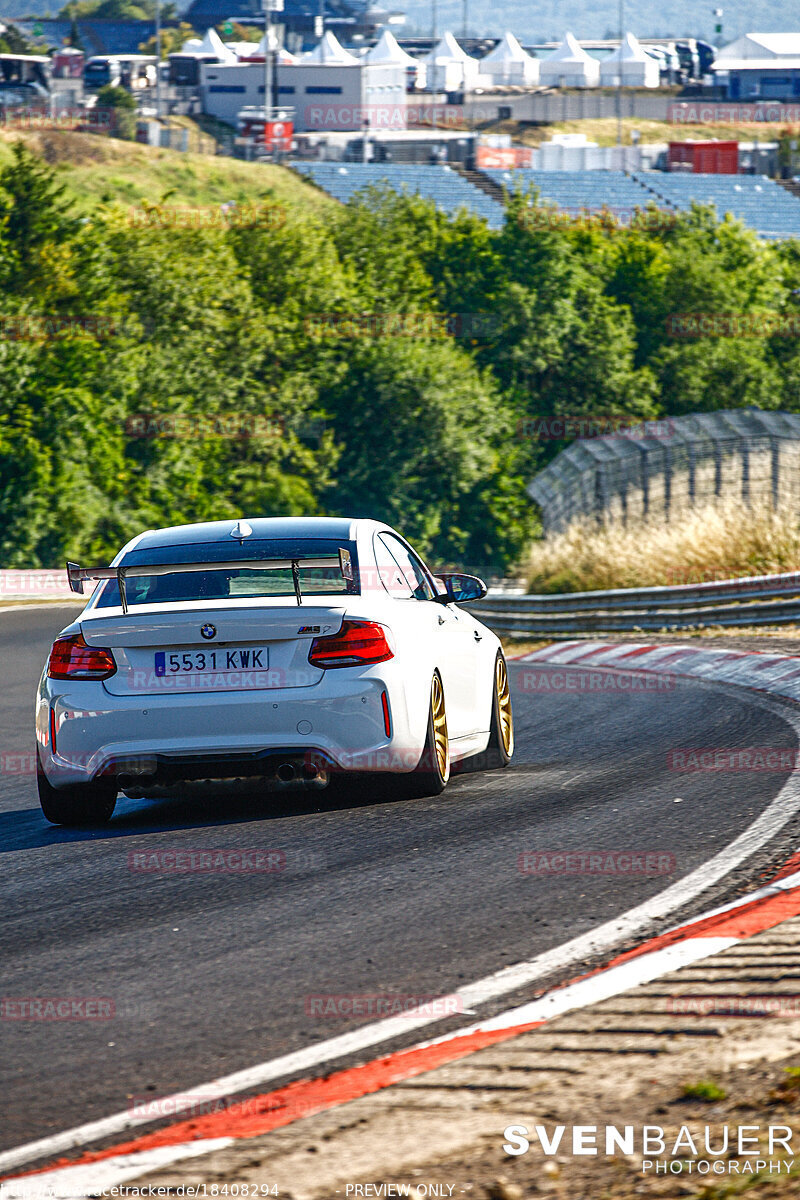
<point>210,806</point>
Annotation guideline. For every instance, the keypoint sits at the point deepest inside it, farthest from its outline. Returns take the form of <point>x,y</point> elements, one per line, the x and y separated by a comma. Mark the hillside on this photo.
<point>647,18</point>
<point>105,169</point>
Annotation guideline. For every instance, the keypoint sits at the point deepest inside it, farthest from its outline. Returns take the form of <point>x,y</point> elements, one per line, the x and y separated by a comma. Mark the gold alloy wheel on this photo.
<point>440,739</point>
<point>504,707</point>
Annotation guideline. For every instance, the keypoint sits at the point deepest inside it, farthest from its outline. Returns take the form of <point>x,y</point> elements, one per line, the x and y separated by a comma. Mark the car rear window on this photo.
<point>239,583</point>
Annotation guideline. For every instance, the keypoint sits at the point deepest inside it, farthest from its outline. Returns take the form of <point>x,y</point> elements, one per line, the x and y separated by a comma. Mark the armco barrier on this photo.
<point>760,600</point>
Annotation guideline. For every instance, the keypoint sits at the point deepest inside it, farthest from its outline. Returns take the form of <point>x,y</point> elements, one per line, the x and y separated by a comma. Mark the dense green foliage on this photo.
<point>188,331</point>
<point>14,42</point>
<point>116,10</point>
<point>123,105</point>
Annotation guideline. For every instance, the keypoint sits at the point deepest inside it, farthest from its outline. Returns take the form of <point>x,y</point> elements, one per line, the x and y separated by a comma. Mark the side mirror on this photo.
<point>460,589</point>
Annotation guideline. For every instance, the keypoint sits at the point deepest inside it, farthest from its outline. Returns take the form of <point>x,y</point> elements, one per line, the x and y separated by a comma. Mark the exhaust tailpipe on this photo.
<point>286,772</point>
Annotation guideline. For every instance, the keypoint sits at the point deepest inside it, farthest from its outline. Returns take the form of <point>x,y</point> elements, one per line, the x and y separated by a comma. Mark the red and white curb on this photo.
<point>700,938</point>
<point>777,674</point>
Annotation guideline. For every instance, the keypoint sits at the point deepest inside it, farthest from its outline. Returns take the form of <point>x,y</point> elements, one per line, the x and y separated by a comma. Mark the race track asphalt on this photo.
<point>211,973</point>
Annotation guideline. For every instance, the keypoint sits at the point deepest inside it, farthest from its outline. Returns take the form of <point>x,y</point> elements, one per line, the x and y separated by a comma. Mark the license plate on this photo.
<point>199,662</point>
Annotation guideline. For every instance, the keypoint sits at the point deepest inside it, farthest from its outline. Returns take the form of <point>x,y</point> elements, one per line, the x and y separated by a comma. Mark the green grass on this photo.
<point>100,169</point>
<point>704,1089</point>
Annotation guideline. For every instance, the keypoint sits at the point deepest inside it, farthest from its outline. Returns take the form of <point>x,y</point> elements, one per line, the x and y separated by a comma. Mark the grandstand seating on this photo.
<point>449,190</point>
<point>577,191</point>
<point>756,200</point>
<point>759,202</point>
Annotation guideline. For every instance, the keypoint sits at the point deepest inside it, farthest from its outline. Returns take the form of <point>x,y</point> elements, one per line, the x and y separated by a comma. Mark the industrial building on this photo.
<point>760,66</point>
<point>328,89</point>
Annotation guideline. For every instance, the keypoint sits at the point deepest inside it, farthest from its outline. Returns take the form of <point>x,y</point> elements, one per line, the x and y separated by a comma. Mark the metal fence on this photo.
<point>759,600</point>
<point>545,107</point>
<point>744,454</point>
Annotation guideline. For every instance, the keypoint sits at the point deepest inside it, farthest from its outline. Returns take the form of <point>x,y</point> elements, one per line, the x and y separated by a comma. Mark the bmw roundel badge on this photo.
<point>208,631</point>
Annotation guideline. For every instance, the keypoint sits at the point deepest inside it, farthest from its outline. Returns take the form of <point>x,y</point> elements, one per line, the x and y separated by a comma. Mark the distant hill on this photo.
<point>547,20</point>
<point>11,9</point>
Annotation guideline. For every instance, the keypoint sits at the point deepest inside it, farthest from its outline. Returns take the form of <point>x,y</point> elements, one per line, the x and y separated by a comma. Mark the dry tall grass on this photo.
<point>720,541</point>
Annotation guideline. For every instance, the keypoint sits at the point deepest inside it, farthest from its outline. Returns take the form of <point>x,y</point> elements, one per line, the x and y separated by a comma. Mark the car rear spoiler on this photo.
<point>77,575</point>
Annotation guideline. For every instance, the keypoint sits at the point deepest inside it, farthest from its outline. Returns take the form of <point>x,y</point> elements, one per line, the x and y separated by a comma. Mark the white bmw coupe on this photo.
<point>288,649</point>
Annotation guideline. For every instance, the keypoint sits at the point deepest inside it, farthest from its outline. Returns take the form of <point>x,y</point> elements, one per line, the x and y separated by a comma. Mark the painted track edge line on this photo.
<point>309,1097</point>
<point>121,1122</point>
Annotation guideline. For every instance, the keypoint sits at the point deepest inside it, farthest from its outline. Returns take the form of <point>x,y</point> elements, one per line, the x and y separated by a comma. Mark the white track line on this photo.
<point>604,938</point>
<point>64,1183</point>
<point>75,1183</point>
<point>603,985</point>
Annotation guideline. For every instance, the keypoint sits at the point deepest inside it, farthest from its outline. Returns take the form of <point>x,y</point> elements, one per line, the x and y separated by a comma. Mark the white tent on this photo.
<point>630,66</point>
<point>389,53</point>
<point>449,69</point>
<point>212,43</point>
<point>330,52</point>
<point>759,51</point>
<point>251,50</point>
<point>509,63</point>
<point>389,50</point>
<point>569,66</point>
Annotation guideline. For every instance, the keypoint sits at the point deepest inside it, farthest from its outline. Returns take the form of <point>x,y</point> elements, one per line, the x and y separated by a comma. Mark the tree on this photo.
<point>123,105</point>
<point>36,213</point>
<point>14,42</point>
<point>172,40</point>
<point>117,10</point>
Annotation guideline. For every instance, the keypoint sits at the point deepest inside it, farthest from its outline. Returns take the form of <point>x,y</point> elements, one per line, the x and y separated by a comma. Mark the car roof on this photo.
<point>337,528</point>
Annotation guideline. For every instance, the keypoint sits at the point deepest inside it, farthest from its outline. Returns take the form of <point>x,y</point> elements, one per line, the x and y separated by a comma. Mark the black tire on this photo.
<point>78,804</point>
<point>500,750</point>
<point>431,775</point>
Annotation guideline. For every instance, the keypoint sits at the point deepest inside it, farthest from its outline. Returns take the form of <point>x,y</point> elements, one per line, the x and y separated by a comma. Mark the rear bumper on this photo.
<point>222,735</point>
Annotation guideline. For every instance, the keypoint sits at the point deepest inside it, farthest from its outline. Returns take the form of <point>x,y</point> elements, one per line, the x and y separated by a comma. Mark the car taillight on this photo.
<point>356,644</point>
<point>71,658</point>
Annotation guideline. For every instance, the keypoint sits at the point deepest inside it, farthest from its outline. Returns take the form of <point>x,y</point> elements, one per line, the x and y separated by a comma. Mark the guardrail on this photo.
<point>758,600</point>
